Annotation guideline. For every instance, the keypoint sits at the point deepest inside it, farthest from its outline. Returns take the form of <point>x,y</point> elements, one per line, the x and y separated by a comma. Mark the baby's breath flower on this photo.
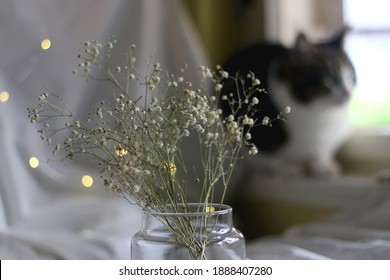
<point>136,188</point>
<point>99,113</point>
<point>224,74</point>
<point>56,148</point>
<point>266,121</point>
<point>218,87</point>
<point>206,72</point>
<point>120,151</point>
<point>170,168</point>
<point>256,82</point>
<point>247,121</point>
<point>253,151</point>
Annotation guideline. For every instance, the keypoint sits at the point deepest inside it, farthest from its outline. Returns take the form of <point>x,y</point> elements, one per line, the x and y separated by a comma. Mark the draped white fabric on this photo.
<point>45,212</point>
<point>361,230</point>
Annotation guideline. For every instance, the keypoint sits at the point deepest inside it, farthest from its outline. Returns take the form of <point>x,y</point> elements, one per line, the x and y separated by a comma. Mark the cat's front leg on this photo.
<point>323,167</point>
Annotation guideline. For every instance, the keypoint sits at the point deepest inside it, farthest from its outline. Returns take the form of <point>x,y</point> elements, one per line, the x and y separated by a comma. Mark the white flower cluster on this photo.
<point>137,143</point>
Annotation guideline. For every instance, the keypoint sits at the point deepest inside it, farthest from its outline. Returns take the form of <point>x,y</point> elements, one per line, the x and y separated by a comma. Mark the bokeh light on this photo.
<point>34,162</point>
<point>4,96</point>
<point>46,44</point>
<point>87,181</point>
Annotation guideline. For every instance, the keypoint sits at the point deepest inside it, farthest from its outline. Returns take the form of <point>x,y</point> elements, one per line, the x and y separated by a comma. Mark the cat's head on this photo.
<point>318,71</point>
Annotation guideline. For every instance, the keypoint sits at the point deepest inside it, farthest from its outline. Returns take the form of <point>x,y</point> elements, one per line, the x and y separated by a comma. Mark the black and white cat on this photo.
<point>316,81</point>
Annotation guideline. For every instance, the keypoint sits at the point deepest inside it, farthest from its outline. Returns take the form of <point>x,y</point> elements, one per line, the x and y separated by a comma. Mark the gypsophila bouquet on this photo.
<point>137,141</point>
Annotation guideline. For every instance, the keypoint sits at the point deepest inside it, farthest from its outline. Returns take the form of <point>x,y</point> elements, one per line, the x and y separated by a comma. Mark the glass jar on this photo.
<point>197,233</point>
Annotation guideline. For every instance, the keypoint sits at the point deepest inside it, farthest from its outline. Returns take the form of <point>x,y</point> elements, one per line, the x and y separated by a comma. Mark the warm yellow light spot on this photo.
<point>87,181</point>
<point>121,151</point>
<point>210,209</point>
<point>46,44</point>
<point>170,168</point>
<point>34,162</point>
<point>4,96</point>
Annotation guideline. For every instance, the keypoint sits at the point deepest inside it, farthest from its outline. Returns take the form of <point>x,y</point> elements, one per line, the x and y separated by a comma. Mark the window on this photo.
<point>369,48</point>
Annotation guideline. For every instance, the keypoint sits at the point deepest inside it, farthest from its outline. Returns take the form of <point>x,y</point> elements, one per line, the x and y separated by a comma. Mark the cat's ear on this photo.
<point>302,45</point>
<point>337,41</point>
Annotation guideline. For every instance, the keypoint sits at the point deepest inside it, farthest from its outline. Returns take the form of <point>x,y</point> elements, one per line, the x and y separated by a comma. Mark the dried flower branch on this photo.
<point>137,142</point>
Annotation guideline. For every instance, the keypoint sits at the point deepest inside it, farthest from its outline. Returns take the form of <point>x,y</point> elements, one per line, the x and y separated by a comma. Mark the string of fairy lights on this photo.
<point>86,180</point>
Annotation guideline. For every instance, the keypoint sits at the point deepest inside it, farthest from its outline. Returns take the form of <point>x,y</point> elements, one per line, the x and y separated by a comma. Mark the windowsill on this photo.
<point>366,152</point>
<point>278,203</point>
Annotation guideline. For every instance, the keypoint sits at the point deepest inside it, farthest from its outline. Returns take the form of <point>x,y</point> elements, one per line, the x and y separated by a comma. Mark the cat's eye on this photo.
<point>328,83</point>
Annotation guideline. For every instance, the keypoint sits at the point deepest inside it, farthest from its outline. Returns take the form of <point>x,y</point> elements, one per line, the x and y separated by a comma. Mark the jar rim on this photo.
<point>219,210</point>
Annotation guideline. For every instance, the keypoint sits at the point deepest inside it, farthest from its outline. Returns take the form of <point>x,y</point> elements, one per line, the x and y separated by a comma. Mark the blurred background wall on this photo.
<point>226,25</point>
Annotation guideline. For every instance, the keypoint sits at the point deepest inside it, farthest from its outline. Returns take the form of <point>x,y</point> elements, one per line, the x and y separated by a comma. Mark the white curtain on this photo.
<point>45,212</point>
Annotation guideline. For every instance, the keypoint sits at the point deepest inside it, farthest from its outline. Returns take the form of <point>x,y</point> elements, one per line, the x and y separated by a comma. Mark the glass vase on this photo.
<point>189,232</point>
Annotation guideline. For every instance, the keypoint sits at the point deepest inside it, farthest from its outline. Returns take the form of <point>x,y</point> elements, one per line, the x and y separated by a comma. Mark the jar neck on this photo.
<point>217,215</point>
